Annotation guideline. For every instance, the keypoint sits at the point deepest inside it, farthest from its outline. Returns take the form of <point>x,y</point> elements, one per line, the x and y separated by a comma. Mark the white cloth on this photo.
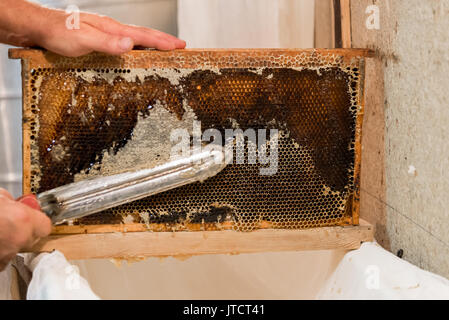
<point>54,278</point>
<point>374,273</point>
<point>367,273</point>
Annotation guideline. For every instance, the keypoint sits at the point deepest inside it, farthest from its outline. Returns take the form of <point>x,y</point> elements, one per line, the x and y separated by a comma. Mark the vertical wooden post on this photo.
<point>342,23</point>
<point>337,24</point>
<point>345,11</point>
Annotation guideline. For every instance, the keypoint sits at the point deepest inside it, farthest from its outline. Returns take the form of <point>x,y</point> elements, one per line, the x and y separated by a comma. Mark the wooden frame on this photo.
<point>129,240</point>
<point>138,245</point>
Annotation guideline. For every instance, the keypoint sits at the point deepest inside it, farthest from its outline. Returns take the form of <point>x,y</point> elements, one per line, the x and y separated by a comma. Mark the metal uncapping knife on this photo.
<point>93,195</point>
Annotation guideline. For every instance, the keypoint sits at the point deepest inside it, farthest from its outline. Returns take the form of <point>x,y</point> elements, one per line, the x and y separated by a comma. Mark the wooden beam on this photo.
<point>161,244</point>
<point>345,12</point>
<point>373,177</point>
<point>337,23</point>
<point>342,23</point>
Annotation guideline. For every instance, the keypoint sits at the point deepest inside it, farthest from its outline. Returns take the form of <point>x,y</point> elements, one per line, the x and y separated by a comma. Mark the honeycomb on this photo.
<point>100,114</point>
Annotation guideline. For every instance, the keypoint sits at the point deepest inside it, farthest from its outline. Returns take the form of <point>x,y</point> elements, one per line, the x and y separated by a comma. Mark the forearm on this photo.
<point>21,22</point>
<point>20,16</point>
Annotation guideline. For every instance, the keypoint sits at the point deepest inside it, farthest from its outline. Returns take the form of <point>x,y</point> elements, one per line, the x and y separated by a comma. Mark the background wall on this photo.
<point>246,23</point>
<point>408,202</point>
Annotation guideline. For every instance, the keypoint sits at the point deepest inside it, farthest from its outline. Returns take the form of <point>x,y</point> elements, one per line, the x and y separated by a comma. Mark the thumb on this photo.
<point>30,200</point>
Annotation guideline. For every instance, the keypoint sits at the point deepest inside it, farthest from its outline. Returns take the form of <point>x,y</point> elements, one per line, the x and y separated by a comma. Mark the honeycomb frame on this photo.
<point>315,60</point>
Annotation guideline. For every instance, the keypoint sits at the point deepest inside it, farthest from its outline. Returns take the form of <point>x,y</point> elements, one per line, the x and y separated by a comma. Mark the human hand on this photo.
<point>21,225</point>
<point>27,24</point>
